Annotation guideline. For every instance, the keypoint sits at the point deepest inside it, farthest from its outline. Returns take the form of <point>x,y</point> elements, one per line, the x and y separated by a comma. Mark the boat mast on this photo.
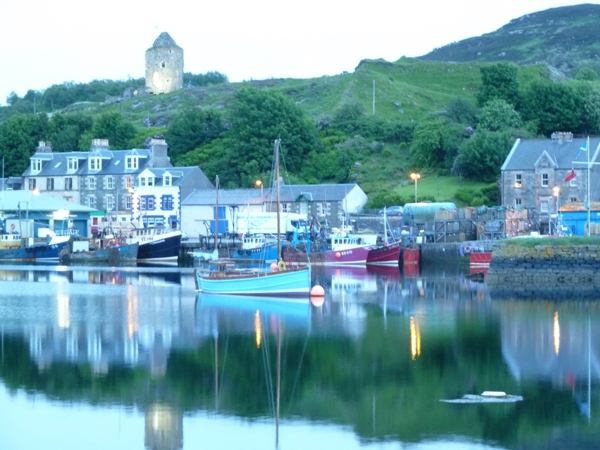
<point>217,213</point>
<point>278,199</point>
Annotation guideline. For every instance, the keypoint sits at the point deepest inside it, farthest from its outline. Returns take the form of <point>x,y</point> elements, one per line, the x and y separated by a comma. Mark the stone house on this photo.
<point>108,180</point>
<point>543,174</point>
<point>327,204</point>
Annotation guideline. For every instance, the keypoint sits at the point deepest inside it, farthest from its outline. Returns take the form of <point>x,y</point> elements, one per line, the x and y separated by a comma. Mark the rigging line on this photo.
<point>268,378</point>
<point>298,372</point>
<point>224,360</point>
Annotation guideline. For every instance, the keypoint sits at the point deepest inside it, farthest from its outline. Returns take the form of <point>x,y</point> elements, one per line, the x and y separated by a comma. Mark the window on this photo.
<point>110,182</point>
<point>518,180</point>
<point>573,182</point>
<point>49,184</point>
<point>36,165</point>
<point>68,184</point>
<point>128,202</point>
<point>128,183</point>
<point>285,207</point>
<point>167,202</point>
<point>544,179</point>
<point>91,183</point>
<point>167,180</point>
<point>518,202</point>
<point>32,184</point>
<point>95,163</point>
<point>110,202</point>
<point>544,206</point>
<point>72,164</point>
<point>91,201</point>
<point>131,162</point>
<point>573,199</point>
<point>147,202</point>
<point>150,181</point>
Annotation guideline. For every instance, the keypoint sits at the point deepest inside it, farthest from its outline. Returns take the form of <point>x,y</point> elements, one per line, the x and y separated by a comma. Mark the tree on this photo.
<point>258,117</point>
<point>481,156</point>
<point>19,137</point>
<point>463,111</point>
<point>553,107</point>
<point>12,98</point>
<point>499,81</point>
<point>111,126</point>
<point>65,131</point>
<point>193,128</point>
<point>498,114</point>
<point>435,142</point>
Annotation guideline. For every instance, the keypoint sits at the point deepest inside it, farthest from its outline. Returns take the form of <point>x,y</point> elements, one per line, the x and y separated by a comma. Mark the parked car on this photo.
<point>392,211</point>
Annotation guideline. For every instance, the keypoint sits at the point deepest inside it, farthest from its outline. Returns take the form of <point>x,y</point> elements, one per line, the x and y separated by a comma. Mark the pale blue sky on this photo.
<point>45,43</point>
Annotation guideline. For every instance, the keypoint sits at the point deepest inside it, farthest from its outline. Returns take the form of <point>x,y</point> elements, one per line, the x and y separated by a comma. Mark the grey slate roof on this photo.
<point>113,163</point>
<point>525,153</point>
<point>288,193</point>
<point>11,200</point>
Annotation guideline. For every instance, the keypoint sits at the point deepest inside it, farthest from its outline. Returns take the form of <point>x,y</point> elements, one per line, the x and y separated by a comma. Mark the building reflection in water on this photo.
<point>163,428</point>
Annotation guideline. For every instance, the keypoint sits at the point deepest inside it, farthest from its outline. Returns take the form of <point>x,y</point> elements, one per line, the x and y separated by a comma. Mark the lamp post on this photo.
<point>556,191</point>
<point>415,176</point>
<point>259,183</point>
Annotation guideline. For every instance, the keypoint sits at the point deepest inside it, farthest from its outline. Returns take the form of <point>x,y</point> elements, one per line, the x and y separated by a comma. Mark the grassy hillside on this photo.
<point>564,38</point>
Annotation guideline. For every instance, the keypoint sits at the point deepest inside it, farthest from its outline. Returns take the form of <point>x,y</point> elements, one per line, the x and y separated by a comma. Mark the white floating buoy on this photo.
<point>493,394</point>
<point>317,291</point>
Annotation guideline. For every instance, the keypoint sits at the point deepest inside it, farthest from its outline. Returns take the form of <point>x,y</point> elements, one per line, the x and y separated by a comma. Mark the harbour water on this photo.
<point>135,358</point>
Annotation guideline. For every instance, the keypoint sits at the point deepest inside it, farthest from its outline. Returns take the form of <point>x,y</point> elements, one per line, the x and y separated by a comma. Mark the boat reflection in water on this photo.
<point>159,358</point>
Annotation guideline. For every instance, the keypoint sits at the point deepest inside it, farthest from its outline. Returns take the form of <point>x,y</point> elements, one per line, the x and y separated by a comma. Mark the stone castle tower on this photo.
<point>164,65</point>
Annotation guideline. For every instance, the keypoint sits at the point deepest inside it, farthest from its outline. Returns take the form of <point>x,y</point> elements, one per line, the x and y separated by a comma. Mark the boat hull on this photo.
<point>111,255</point>
<point>284,282</point>
<point>385,255</point>
<point>268,252</point>
<point>161,248</point>
<point>38,252</point>
<point>357,255</point>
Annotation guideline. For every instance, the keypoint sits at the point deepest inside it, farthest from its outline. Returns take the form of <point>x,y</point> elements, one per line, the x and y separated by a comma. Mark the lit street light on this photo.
<point>415,176</point>
<point>259,183</point>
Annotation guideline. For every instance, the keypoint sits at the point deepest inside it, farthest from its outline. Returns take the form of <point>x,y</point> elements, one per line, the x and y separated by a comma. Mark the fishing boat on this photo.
<point>14,248</point>
<point>225,277</point>
<point>156,244</point>
<point>110,249</point>
<point>257,247</point>
<point>480,256</point>
<point>388,252</point>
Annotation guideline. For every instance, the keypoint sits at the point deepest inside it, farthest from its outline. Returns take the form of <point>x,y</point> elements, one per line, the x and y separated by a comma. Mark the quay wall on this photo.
<point>545,266</point>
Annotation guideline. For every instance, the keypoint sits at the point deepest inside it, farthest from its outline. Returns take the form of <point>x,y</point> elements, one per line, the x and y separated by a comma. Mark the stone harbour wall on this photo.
<point>545,266</point>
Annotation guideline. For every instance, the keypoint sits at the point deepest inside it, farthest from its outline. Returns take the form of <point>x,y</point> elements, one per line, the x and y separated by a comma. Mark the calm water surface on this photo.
<point>135,358</point>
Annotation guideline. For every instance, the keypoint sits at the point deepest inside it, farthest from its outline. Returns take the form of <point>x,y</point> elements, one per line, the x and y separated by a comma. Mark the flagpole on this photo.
<point>589,200</point>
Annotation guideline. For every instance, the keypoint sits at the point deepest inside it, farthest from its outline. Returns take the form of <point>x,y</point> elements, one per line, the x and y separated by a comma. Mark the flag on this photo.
<point>583,148</point>
<point>570,176</point>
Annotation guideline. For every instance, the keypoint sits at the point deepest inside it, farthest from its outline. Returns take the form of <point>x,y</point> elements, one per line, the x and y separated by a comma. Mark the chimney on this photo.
<point>99,144</point>
<point>44,147</point>
<point>159,158</point>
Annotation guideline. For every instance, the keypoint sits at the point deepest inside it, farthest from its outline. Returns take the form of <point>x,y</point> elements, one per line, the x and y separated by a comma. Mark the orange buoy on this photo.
<point>338,255</point>
<point>317,301</point>
<point>317,291</point>
<point>274,267</point>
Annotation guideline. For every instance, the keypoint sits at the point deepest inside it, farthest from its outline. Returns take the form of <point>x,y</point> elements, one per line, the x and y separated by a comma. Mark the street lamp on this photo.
<point>415,176</point>
<point>259,183</point>
<point>556,191</point>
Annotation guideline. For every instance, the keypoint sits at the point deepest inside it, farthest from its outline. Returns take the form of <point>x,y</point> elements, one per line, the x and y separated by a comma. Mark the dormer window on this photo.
<point>147,181</point>
<point>72,164</point>
<point>95,163</point>
<point>132,162</point>
<point>167,180</point>
<point>36,165</point>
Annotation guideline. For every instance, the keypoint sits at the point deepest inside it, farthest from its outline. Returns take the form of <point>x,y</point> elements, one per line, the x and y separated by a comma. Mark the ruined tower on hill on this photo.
<point>164,65</point>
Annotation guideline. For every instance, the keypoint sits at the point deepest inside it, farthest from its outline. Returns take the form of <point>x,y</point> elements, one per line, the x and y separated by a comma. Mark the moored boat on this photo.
<point>156,244</point>
<point>223,277</point>
<point>14,248</point>
<point>114,250</point>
